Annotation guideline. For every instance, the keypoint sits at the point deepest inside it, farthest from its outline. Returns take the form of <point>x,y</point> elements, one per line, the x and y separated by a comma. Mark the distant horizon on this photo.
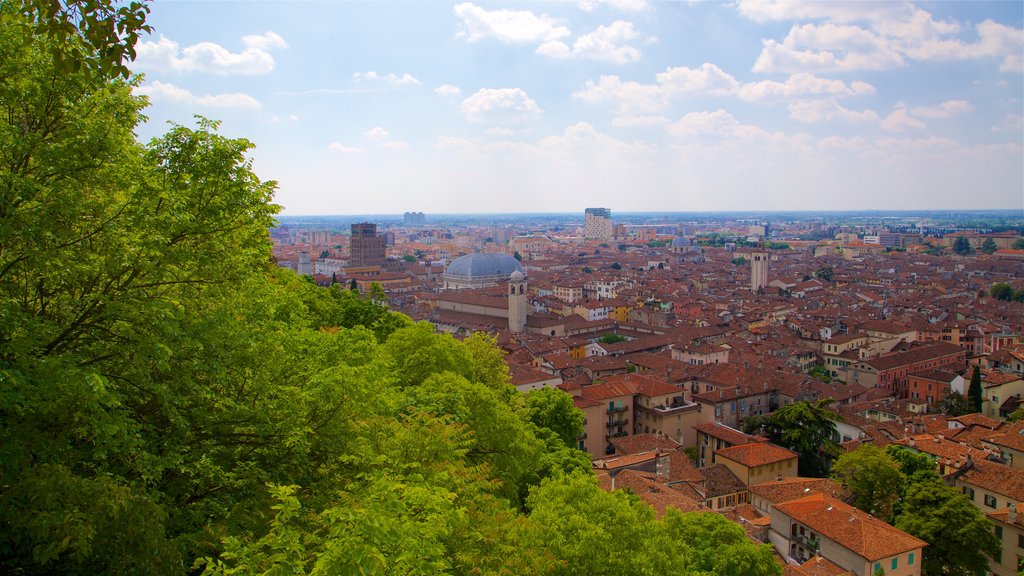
<point>952,211</point>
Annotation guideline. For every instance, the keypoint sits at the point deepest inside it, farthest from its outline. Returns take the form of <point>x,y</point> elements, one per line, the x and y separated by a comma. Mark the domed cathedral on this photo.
<point>686,251</point>
<point>480,270</point>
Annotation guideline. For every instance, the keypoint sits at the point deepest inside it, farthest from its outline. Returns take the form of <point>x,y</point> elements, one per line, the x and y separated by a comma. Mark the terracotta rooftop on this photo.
<point>720,481</point>
<point>723,432</point>
<point>644,443</point>
<point>756,454</point>
<point>914,355</point>
<point>854,529</point>
<point>778,491</point>
<point>995,477</point>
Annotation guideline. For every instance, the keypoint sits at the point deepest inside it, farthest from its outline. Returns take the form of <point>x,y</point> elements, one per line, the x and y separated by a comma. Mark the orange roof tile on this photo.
<point>854,529</point>
<point>756,454</point>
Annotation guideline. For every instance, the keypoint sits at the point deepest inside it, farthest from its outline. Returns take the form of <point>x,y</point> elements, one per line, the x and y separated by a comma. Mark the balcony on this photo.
<point>618,422</point>
<point>617,409</point>
<point>616,434</point>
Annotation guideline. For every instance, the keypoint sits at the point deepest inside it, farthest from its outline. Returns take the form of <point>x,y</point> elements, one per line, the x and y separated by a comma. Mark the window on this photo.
<point>990,501</point>
<point>969,492</point>
<point>910,559</point>
<point>895,562</point>
<point>999,531</point>
<point>878,566</point>
<point>1020,541</point>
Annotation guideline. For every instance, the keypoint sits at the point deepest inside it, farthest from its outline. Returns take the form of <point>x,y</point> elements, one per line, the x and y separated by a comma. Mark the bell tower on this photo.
<point>517,302</point>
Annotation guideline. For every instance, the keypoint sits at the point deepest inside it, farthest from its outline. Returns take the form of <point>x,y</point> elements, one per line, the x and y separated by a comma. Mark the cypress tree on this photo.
<point>974,391</point>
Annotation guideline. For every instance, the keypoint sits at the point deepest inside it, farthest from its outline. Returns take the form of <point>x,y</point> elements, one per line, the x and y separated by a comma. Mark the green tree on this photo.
<point>988,246</point>
<point>553,409</point>
<point>974,392</point>
<point>517,256</point>
<point>1002,291</point>
<point>1018,244</point>
<point>872,476</point>
<point>807,428</point>
<point>955,404</point>
<point>616,266</point>
<point>739,261</point>
<point>825,274</point>
<point>410,258</point>
<point>960,538</point>
<point>611,338</point>
<point>962,246</point>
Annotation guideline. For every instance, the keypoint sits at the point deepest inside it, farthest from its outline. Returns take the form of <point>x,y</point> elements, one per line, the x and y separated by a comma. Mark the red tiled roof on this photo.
<point>756,454</point>
<point>854,529</point>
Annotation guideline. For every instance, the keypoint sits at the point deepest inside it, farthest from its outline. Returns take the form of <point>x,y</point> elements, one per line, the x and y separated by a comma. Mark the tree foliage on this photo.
<point>172,402</point>
<point>955,404</point>
<point>962,246</point>
<point>807,428</point>
<point>974,393</point>
<point>872,476</point>
<point>960,538</point>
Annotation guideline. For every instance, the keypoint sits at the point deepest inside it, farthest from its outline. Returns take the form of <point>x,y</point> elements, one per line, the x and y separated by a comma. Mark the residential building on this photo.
<point>819,524</point>
<point>891,371</point>
<point>758,462</point>
<point>1009,529</point>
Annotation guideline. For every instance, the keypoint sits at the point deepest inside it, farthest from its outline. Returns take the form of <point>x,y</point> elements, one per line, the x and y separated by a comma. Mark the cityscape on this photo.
<point>588,288</point>
<point>672,333</point>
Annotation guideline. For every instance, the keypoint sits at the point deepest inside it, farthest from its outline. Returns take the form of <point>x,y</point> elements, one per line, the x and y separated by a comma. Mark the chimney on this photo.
<point>662,466</point>
<point>1012,514</point>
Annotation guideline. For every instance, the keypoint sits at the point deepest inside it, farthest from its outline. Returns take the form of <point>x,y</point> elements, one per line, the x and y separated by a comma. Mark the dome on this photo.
<point>516,276</point>
<point>680,242</point>
<point>474,270</point>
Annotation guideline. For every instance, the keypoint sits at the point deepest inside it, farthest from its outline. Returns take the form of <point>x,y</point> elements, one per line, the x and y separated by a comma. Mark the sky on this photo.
<point>479,107</point>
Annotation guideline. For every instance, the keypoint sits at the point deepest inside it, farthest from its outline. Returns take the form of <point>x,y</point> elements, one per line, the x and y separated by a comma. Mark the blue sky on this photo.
<point>386,107</point>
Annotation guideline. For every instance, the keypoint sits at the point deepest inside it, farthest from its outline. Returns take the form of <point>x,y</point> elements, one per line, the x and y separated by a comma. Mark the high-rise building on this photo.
<point>366,247</point>
<point>598,224</point>
<point>414,219</point>
<point>758,271</point>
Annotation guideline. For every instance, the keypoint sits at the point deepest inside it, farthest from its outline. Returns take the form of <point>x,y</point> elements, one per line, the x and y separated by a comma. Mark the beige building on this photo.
<point>1009,529</point>
<point>758,462</point>
<point>597,224</point>
<point>850,538</point>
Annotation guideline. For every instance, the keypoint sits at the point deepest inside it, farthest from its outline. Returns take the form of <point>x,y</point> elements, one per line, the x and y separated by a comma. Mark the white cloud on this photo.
<point>377,134</point>
<point>944,110</point>
<point>605,44</point>
<point>708,79</point>
<point>623,5</point>
<point>500,105</point>
<point>1013,123</point>
<point>718,123</point>
<point>338,147</point>
<point>507,25</point>
<point>382,138</point>
<point>629,97</point>
<point>900,120</point>
<point>447,90</point>
<point>166,55</point>
<point>639,121</point>
<point>265,41</point>
<point>161,91</point>
<point>874,36</point>
<point>814,111</point>
<point>498,131</point>
<point>391,78</point>
<point>803,85</point>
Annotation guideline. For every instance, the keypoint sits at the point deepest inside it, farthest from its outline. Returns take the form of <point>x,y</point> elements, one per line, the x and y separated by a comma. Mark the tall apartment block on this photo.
<point>414,219</point>
<point>366,247</point>
<point>598,224</point>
